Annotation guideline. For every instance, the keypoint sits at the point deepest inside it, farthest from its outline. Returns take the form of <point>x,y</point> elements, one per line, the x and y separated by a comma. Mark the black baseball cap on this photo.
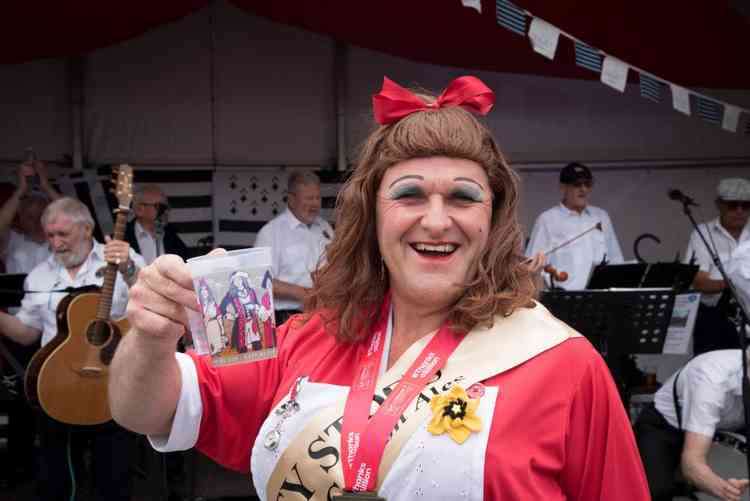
<point>574,172</point>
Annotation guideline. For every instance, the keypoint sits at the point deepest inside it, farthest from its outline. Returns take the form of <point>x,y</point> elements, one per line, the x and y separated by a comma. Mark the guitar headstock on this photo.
<point>123,181</point>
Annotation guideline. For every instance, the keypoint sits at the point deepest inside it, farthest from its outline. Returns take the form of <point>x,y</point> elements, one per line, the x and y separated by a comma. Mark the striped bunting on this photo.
<point>588,57</point>
<point>510,16</point>
<point>709,110</point>
<point>651,88</point>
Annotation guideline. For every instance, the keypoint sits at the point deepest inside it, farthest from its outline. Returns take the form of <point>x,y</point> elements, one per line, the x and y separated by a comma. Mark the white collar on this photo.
<point>294,222</point>
<point>140,231</point>
<point>717,226</point>
<point>571,212</point>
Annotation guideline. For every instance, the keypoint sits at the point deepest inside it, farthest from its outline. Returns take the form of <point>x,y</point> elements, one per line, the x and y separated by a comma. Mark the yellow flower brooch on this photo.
<point>454,413</point>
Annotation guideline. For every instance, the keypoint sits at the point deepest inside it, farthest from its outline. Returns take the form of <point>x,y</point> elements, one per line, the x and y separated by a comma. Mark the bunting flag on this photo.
<point>680,99</point>
<point>709,110</point>
<point>473,4</point>
<point>511,17</point>
<point>613,72</point>
<point>544,37</point>
<point>651,88</point>
<point>588,57</point>
<point>731,118</point>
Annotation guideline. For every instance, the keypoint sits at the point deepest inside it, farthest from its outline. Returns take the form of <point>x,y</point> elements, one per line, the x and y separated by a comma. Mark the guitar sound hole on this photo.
<point>98,332</point>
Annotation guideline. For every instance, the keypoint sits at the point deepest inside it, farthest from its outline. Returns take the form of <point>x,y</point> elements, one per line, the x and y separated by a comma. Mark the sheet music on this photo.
<point>682,323</point>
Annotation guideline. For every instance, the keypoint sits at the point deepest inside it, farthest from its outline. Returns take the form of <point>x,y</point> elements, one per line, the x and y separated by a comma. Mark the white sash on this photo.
<point>311,465</point>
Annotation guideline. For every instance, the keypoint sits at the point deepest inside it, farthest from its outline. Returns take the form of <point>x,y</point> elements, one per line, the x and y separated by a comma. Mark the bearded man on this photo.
<point>76,261</point>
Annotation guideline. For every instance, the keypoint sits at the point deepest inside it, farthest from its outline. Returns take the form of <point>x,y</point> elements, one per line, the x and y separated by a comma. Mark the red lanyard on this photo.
<point>363,441</point>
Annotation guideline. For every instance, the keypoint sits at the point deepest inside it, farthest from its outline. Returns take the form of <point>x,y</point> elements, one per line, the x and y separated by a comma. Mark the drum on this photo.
<point>727,458</point>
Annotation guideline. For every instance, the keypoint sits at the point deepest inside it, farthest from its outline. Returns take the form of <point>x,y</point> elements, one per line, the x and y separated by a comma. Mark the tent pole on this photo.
<point>75,77</point>
<point>339,70</point>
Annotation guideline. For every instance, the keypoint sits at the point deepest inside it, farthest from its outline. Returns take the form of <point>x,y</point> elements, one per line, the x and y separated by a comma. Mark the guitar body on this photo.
<point>68,377</point>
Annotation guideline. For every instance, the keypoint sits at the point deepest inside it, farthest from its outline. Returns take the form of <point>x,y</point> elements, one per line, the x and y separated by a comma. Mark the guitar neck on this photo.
<point>110,275</point>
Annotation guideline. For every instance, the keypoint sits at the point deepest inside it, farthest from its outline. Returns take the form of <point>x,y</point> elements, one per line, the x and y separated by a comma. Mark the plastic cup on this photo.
<point>235,322</point>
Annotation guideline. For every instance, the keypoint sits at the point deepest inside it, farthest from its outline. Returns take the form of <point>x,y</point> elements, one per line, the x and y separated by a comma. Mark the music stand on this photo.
<point>618,323</point>
<point>607,276</point>
<point>678,276</point>
<point>11,294</point>
<point>11,289</point>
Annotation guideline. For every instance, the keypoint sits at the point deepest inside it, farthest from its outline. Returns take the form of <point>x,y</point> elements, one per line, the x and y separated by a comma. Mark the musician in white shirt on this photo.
<point>708,395</point>
<point>713,330</point>
<point>739,272</point>
<point>726,233</point>
<point>678,429</point>
<point>76,261</point>
<point>298,238</point>
<point>572,217</point>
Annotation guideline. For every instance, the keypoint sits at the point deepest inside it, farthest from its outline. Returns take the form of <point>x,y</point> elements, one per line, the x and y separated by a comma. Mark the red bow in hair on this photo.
<point>393,102</point>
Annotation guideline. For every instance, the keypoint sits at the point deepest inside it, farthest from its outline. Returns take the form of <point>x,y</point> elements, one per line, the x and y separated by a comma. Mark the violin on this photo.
<point>557,276</point>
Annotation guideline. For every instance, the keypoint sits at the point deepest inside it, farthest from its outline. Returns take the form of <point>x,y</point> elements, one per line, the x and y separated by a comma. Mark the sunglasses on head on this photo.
<point>735,204</point>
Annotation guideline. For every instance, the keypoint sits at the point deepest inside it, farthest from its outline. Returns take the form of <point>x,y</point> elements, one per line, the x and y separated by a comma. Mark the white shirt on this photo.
<point>559,224</point>
<point>296,250</point>
<point>401,482</point>
<point>38,310</point>
<point>148,244</point>
<point>709,389</point>
<point>739,272</point>
<point>725,245</point>
<point>22,253</point>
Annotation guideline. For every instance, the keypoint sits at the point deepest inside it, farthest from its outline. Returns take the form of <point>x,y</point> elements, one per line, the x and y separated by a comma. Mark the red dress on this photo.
<point>559,429</point>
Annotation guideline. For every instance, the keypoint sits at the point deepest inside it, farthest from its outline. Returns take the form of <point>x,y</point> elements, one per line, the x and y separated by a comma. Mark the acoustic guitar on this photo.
<point>68,376</point>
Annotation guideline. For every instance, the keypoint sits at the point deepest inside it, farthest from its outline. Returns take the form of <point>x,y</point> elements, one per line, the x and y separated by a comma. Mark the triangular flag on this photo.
<point>731,118</point>
<point>473,4</point>
<point>680,99</point>
<point>651,88</point>
<point>510,16</point>
<point>544,37</point>
<point>614,73</point>
<point>588,57</point>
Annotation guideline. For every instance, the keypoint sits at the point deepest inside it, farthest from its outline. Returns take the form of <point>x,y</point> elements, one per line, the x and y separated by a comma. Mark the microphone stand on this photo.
<point>740,321</point>
<point>159,225</point>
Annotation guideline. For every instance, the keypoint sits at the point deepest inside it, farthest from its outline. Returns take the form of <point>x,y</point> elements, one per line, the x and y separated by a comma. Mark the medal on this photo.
<point>273,438</point>
<point>363,438</point>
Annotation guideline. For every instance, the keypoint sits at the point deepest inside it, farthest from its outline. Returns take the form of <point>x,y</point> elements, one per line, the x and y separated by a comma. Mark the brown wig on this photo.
<point>349,288</point>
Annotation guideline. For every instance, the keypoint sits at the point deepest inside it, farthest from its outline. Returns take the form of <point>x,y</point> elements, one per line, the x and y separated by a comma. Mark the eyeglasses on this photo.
<point>587,183</point>
<point>734,205</point>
